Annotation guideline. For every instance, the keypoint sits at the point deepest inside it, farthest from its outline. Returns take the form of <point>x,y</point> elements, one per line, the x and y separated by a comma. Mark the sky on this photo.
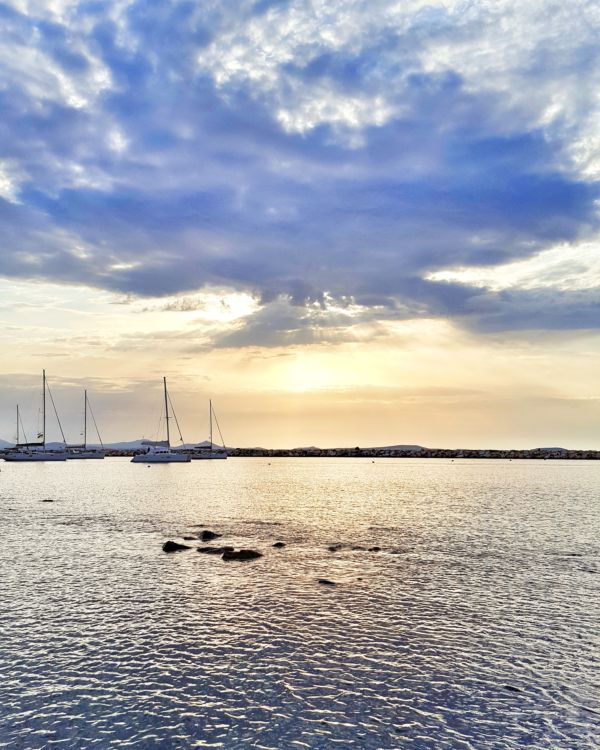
<point>351,223</point>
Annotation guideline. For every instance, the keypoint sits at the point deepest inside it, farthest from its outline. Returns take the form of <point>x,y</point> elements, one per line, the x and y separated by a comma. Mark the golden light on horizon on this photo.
<point>427,379</point>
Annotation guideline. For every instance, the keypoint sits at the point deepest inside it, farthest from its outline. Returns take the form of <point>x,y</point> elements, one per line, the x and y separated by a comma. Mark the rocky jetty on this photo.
<point>405,451</point>
<point>415,451</point>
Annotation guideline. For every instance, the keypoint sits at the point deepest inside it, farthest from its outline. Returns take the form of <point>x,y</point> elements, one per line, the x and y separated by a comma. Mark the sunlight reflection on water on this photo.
<point>475,626</point>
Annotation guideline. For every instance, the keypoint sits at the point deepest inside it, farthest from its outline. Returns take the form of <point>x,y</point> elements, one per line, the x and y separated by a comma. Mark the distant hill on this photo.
<point>127,445</point>
<point>52,446</point>
<point>377,448</point>
<point>133,445</point>
<point>401,448</point>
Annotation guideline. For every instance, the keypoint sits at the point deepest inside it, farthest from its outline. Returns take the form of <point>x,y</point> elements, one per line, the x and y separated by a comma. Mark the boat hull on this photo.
<point>29,457</point>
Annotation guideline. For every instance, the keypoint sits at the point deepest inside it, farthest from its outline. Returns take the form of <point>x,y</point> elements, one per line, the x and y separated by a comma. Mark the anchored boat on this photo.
<point>83,450</point>
<point>37,451</point>
<point>163,454</point>
<point>209,450</point>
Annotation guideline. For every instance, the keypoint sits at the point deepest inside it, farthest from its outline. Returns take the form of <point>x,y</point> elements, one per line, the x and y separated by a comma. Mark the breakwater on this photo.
<point>449,453</point>
<point>357,452</point>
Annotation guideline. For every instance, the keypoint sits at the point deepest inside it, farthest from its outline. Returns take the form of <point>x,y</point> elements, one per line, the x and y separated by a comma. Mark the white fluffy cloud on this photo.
<point>305,152</point>
<point>538,56</point>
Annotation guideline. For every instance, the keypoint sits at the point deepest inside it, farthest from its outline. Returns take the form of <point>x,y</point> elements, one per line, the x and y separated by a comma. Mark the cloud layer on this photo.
<point>311,154</point>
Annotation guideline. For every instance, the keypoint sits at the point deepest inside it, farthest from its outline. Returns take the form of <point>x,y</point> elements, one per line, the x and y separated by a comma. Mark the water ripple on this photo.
<point>474,627</point>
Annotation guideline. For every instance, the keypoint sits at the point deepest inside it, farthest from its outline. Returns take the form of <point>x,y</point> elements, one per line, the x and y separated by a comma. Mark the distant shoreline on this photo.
<point>540,454</point>
<point>536,453</point>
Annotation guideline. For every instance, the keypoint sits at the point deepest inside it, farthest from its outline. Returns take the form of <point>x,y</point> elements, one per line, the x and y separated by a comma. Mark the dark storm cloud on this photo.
<point>130,165</point>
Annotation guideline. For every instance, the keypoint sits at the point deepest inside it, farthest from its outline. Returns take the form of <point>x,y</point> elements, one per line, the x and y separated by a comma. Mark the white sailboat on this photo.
<point>83,450</point>
<point>210,451</point>
<point>37,451</point>
<point>162,454</point>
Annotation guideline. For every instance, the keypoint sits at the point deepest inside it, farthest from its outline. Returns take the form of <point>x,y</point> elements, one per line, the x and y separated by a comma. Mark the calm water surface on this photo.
<point>475,627</point>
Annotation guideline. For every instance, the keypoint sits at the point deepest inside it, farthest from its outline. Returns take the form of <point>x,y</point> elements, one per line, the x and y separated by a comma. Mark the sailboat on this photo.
<point>162,453</point>
<point>83,451</point>
<point>203,451</point>
<point>37,451</point>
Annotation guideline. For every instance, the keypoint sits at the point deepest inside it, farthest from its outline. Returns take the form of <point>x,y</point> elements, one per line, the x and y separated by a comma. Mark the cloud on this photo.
<point>533,310</point>
<point>292,151</point>
<point>563,267</point>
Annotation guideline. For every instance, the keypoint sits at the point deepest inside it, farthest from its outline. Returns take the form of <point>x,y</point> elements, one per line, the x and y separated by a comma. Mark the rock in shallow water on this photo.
<point>279,545</point>
<point>215,550</point>
<point>242,554</point>
<point>207,535</point>
<point>174,546</point>
<point>326,582</point>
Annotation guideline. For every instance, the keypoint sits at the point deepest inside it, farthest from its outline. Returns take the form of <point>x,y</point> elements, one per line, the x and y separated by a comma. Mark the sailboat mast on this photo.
<point>85,419</point>
<point>44,408</point>
<point>167,412</point>
<point>210,421</point>
<point>17,424</point>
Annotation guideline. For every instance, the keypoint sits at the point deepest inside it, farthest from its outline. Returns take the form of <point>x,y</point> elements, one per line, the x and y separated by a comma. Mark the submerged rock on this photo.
<point>189,538</point>
<point>279,545</point>
<point>374,549</point>
<point>207,535</point>
<point>335,547</point>
<point>47,500</point>
<point>214,550</point>
<point>242,554</point>
<point>174,546</point>
<point>512,688</point>
<point>326,582</point>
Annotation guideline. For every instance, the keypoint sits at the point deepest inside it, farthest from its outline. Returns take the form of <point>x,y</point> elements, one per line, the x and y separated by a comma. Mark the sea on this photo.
<point>462,609</point>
